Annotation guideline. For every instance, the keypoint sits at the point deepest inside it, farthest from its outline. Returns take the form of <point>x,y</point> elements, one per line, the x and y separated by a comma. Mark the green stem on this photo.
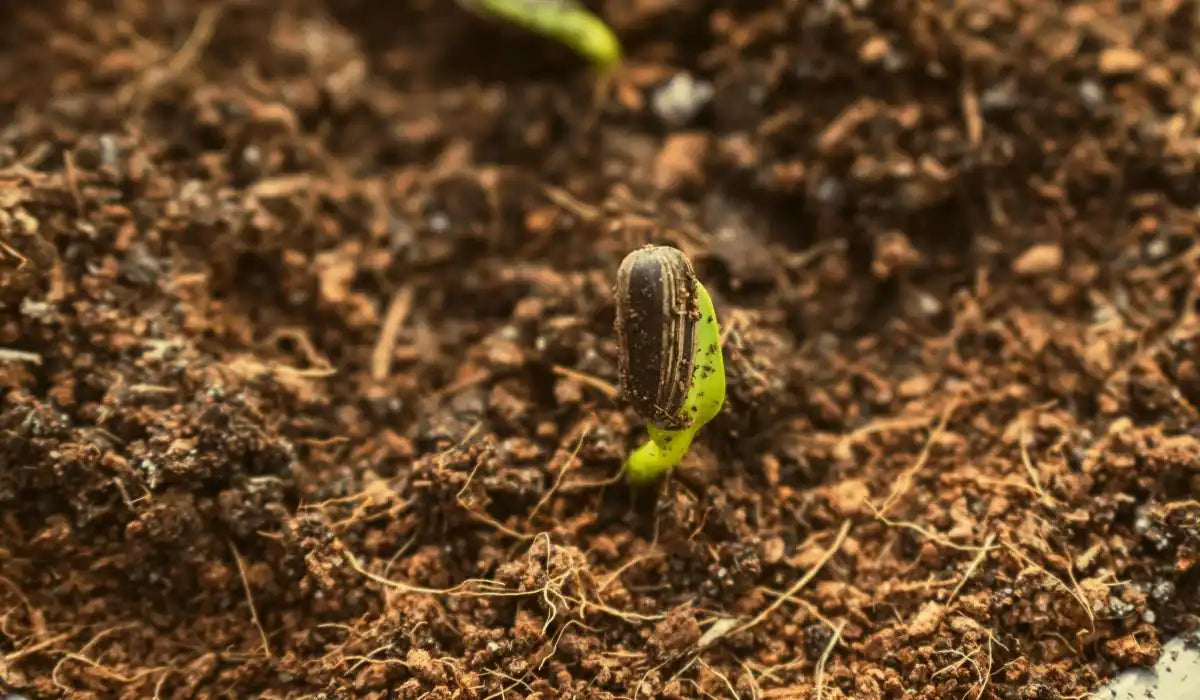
<point>659,454</point>
<point>667,448</point>
<point>567,22</point>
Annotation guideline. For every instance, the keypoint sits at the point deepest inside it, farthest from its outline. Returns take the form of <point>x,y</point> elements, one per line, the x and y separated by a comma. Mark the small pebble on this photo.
<point>680,99</point>
<point>1162,592</point>
<point>1118,607</point>
<point>1091,94</point>
<point>439,222</point>
<point>830,192</point>
<point>999,98</point>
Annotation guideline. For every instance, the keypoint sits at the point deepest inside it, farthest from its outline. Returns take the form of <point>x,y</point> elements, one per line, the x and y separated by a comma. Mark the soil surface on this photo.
<point>307,352</point>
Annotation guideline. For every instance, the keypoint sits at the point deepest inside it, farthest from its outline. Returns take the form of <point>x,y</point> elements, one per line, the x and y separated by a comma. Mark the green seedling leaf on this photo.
<point>565,21</point>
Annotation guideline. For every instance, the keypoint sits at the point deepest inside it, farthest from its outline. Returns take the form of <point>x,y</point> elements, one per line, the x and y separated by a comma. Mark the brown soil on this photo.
<point>306,350</point>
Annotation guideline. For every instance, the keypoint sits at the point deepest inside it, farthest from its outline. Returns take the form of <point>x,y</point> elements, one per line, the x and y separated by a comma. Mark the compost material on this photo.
<point>307,359</point>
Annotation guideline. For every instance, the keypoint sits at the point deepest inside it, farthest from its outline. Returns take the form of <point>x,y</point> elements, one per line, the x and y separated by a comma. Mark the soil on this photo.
<point>307,352</point>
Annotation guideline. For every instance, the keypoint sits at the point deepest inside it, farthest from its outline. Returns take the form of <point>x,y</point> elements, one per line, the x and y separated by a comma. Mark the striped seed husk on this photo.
<point>657,315</point>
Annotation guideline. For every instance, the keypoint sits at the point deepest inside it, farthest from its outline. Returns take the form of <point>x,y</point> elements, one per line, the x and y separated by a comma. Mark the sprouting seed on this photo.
<point>565,21</point>
<point>671,367</point>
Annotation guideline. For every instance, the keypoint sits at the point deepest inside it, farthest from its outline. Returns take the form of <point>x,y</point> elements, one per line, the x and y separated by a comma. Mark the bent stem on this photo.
<point>659,454</point>
<point>565,21</point>
<point>666,447</point>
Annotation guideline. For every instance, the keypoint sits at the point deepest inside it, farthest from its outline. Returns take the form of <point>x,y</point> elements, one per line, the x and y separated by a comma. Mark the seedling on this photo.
<point>671,367</point>
<point>565,21</point>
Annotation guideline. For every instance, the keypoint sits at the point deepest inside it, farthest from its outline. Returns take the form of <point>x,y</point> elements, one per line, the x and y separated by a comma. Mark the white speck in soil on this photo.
<point>680,99</point>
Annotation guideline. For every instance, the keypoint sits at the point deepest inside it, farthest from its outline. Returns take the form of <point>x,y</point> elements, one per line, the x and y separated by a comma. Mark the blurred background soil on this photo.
<point>307,362</point>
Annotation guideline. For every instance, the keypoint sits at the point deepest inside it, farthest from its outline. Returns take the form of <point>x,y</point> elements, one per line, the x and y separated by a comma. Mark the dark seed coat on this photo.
<point>656,332</point>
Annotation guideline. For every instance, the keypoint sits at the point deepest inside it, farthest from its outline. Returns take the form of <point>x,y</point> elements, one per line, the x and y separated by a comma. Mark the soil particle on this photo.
<point>677,633</point>
<point>680,99</point>
<point>1039,260</point>
<point>681,161</point>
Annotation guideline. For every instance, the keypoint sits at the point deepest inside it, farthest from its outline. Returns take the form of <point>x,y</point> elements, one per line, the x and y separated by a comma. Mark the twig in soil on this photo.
<point>734,323</point>
<point>503,692</point>
<point>237,557</point>
<point>1186,312</point>
<point>202,33</point>
<point>35,648</point>
<point>683,669</point>
<point>597,483</point>
<point>771,671</point>
<point>883,425</point>
<point>315,358</point>
<point>987,677</point>
<point>397,313</point>
<point>597,383</point>
<point>151,389</point>
<point>808,607</point>
<point>1168,508</point>
<point>493,589</point>
<point>249,368</point>
<point>1012,482</point>
<point>1074,591</point>
<point>728,686</point>
<point>795,588</point>
<point>482,516</point>
<point>73,180</point>
<point>22,261</point>
<point>756,691</point>
<point>971,112</point>
<point>567,201</point>
<point>369,658</point>
<point>10,355</point>
<point>558,638</point>
<point>964,658</point>
<point>561,474</point>
<point>702,692</point>
<point>478,377</point>
<point>377,493</point>
<point>987,546</point>
<point>625,615</point>
<point>626,566</point>
<point>490,588</point>
<point>905,481</point>
<point>925,532</point>
<point>181,61</point>
<point>984,677</point>
<point>1031,469</point>
<point>400,552</point>
<point>103,670</point>
<point>158,686</point>
<point>546,590</point>
<point>36,620</point>
<point>910,586</point>
<point>819,680</point>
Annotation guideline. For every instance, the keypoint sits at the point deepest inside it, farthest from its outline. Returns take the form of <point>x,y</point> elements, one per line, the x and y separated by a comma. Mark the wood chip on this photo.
<point>1038,260</point>
<point>1121,61</point>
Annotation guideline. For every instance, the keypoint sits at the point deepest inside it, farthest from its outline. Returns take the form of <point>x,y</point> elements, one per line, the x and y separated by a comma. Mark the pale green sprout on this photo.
<point>565,21</point>
<point>667,447</point>
<point>672,369</point>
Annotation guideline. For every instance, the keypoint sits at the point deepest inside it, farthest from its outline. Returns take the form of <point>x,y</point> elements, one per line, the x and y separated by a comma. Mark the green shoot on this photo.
<point>565,21</point>
<point>672,368</point>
